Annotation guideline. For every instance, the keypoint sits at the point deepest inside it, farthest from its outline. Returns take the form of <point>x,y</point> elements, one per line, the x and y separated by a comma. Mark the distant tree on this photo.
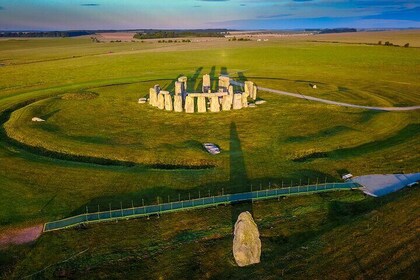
<point>380,43</point>
<point>234,39</point>
<point>407,45</point>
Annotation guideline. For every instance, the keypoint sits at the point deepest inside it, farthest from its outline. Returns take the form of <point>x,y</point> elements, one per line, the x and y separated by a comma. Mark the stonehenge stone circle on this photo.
<point>246,242</point>
<point>224,100</point>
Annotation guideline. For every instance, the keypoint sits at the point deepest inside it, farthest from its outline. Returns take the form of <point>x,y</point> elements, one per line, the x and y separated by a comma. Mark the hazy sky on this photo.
<point>239,14</point>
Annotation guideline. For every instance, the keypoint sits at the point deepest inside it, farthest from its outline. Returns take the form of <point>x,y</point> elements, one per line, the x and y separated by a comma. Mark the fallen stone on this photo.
<point>142,100</point>
<point>246,242</point>
<point>36,119</point>
<point>259,102</point>
<point>252,105</point>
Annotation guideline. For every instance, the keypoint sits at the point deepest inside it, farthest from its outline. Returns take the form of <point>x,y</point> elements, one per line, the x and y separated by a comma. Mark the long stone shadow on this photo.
<point>192,81</point>
<point>213,78</point>
<point>238,177</point>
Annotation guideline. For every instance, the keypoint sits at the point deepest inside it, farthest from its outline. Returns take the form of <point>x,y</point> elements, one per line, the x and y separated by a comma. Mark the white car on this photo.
<point>211,148</point>
<point>347,177</point>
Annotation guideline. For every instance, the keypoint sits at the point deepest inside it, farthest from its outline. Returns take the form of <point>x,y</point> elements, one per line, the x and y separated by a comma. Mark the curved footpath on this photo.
<point>301,96</point>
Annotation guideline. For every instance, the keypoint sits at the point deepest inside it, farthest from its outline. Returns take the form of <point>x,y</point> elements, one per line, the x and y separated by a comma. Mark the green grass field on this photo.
<point>88,94</point>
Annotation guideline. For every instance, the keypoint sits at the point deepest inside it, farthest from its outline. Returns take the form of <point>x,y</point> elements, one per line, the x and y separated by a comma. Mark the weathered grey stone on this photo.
<point>142,100</point>
<point>36,119</point>
<point>259,102</point>
<point>206,83</point>
<point>224,82</point>
<point>179,88</point>
<point>178,103</point>
<point>168,102</point>
<point>214,104</point>
<point>245,99</point>
<point>230,90</point>
<point>157,88</point>
<point>201,104</point>
<point>246,241</point>
<point>254,93</point>
<point>161,101</point>
<point>189,104</point>
<point>184,80</point>
<point>237,101</point>
<point>153,97</point>
<point>227,102</point>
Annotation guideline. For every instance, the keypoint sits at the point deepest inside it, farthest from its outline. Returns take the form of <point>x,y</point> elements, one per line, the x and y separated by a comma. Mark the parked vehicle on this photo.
<point>211,148</point>
<point>346,177</point>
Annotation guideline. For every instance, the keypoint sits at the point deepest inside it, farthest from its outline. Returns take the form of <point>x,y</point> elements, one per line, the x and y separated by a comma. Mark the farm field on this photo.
<point>99,147</point>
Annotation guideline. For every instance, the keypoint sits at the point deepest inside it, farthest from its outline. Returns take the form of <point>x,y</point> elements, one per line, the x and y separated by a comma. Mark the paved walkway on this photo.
<point>307,97</point>
<point>381,184</point>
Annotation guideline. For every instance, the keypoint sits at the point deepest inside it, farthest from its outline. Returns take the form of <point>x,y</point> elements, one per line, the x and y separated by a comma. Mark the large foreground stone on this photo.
<point>201,104</point>
<point>246,243</point>
<point>189,104</point>
<point>237,101</point>
<point>178,103</point>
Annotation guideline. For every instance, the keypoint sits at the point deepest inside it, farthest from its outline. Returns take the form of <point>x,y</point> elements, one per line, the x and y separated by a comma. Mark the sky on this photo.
<point>233,14</point>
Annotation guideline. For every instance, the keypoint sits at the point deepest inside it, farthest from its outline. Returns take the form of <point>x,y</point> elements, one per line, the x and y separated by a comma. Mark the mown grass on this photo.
<point>340,235</point>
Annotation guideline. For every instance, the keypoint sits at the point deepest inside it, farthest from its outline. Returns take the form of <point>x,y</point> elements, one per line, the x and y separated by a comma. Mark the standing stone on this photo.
<point>179,88</point>
<point>153,97</point>
<point>245,99</point>
<point>201,104</point>
<point>189,104</point>
<point>206,83</point>
<point>214,104</point>
<point>161,101</point>
<point>254,93</point>
<point>230,90</point>
<point>224,83</point>
<point>168,102</point>
<point>237,101</point>
<point>157,88</point>
<point>246,242</point>
<point>248,87</point>
<point>227,102</point>
<point>183,80</point>
<point>178,103</point>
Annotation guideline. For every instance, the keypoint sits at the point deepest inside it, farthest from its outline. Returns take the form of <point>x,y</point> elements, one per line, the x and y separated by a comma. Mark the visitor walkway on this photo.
<point>202,202</point>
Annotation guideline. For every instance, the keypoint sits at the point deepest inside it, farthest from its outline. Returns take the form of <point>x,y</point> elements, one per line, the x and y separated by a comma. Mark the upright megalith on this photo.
<point>168,102</point>
<point>157,88</point>
<point>206,83</point>
<point>178,103</point>
<point>189,104</point>
<point>227,102</point>
<point>179,88</point>
<point>224,83</point>
<point>244,100</point>
<point>153,97</point>
<point>237,101</point>
<point>161,101</point>
<point>251,89</point>
<point>201,104</point>
<point>214,104</point>
<point>184,80</point>
<point>246,242</point>
<point>230,89</point>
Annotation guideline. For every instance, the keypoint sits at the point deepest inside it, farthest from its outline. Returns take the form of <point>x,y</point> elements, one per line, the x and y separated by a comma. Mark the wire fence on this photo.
<point>209,201</point>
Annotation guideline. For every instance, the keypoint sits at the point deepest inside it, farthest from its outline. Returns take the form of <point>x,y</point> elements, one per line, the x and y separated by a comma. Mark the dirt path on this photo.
<point>20,236</point>
<point>307,97</point>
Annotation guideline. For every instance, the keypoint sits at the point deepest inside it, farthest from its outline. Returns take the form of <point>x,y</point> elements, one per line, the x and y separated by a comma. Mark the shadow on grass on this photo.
<point>408,132</point>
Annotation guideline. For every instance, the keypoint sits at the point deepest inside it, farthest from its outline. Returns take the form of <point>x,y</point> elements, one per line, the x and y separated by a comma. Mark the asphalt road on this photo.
<point>316,99</point>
